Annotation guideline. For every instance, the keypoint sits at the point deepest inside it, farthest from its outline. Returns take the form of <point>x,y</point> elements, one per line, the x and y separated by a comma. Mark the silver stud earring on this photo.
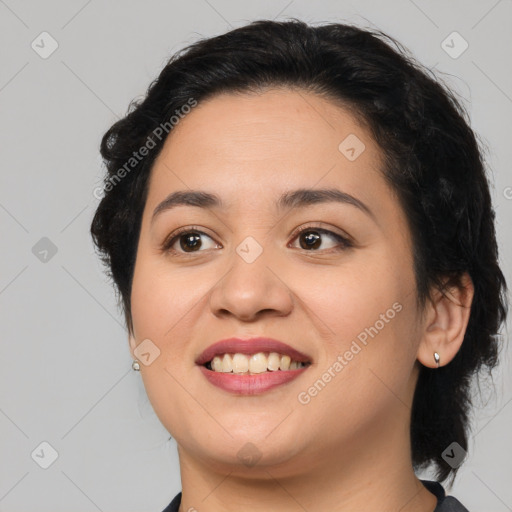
<point>136,365</point>
<point>436,358</point>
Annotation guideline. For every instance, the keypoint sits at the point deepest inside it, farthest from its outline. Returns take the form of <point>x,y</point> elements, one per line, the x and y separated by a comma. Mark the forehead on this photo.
<point>251,148</point>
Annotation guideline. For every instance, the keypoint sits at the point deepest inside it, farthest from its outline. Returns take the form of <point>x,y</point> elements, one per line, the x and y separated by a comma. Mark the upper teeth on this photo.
<point>256,363</point>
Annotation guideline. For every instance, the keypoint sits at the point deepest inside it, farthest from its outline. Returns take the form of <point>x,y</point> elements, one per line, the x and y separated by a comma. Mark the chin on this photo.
<point>244,454</point>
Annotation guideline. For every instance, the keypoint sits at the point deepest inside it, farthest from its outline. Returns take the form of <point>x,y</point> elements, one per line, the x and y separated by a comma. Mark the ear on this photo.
<point>133,344</point>
<point>446,319</point>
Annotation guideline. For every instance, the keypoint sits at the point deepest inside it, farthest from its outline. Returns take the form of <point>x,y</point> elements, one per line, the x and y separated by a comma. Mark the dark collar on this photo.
<point>434,487</point>
<point>174,506</point>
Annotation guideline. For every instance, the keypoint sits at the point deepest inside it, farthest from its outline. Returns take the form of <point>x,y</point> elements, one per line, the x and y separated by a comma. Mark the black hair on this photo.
<point>432,161</point>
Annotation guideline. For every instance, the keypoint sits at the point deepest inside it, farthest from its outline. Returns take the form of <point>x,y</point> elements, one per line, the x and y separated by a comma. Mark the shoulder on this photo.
<point>444,503</point>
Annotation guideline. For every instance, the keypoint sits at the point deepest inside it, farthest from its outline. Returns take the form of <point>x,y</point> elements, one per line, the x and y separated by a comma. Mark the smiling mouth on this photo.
<point>261,362</point>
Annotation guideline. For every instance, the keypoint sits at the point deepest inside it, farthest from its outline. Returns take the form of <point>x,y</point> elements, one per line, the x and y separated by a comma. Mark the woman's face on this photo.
<point>245,272</point>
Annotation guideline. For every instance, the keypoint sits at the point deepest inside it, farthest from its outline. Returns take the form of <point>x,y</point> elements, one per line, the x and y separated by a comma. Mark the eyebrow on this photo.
<point>293,199</point>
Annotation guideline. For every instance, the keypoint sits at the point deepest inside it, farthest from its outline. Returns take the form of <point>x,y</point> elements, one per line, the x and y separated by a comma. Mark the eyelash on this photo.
<point>345,242</point>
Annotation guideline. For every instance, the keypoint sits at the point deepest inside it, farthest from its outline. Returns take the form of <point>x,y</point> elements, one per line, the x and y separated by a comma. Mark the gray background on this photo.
<point>65,369</point>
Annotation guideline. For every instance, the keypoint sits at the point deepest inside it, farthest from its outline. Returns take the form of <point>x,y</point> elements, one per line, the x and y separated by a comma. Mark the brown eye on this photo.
<point>190,242</point>
<point>187,240</point>
<point>311,238</point>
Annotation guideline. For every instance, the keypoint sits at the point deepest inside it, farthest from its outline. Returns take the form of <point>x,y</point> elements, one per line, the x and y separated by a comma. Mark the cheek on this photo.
<point>366,313</point>
<point>161,300</point>
<point>366,359</point>
<point>349,298</point>
<point>163,312</point>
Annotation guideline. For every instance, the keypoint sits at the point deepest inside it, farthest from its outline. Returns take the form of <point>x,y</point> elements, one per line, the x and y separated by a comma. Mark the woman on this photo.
<point>299,225</point>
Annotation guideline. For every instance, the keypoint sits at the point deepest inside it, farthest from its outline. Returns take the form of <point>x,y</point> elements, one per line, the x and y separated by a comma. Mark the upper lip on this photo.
<point>250,346</point>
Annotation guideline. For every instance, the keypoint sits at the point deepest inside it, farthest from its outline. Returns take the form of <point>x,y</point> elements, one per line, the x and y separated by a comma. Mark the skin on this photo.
<point>348,448</point>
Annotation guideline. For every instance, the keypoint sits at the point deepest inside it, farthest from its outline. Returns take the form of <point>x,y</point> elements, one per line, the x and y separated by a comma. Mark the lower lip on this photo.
<point>251,384</point>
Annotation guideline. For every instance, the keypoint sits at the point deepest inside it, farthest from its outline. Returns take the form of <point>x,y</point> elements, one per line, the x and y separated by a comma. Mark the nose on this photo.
<point>249,291</point>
